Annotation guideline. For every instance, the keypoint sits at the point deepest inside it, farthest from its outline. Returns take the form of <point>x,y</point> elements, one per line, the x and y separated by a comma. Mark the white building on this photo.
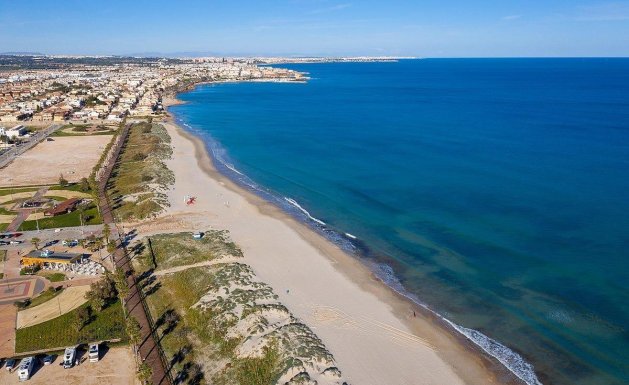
<point>15,132</point>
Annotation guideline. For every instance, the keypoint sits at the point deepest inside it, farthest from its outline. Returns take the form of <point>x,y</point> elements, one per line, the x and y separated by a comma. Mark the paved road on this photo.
<point>10,155</point>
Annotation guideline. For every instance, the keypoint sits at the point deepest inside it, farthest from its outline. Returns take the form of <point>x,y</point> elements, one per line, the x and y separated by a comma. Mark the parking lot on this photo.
<point>51,235</point>
<point>116,366</point>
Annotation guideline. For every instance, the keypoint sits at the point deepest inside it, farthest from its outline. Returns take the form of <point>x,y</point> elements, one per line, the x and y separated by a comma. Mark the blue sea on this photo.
<point>494,191</point>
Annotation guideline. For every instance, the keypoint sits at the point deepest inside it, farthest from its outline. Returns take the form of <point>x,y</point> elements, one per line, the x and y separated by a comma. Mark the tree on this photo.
<point>106,232</point>
<point>121,283</point>
<point>98,303</point>
<point>35,241</point>
<point>111,246</point>
<point>145,373</point>
<point>133,331</point>
<point>83,315</point>
<point>84,185</point>
<point>102,292</point>
<point>62,181</point>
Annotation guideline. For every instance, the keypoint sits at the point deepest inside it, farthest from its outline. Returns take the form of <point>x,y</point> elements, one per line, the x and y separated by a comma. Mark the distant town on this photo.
<point>109,92</point>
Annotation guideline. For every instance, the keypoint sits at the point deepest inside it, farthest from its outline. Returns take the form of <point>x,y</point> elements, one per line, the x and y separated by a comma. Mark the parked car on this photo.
<point>68,358</point>
<point>70,243</point>
<point>4,243</point>
<point>26,368</point>
<point>49,359</point>
<point>93,353</point>
<point>10,364</point>
<point>16,242</point>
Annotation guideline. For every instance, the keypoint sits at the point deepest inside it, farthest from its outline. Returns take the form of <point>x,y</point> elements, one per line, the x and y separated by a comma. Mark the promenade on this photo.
<point>149,350</point>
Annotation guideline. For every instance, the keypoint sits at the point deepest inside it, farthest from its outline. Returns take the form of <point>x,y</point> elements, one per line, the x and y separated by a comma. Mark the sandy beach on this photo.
<point>375,335</point>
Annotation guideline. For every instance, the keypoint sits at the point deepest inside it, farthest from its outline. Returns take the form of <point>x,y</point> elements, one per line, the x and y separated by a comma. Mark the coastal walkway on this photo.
<point>149,350</point>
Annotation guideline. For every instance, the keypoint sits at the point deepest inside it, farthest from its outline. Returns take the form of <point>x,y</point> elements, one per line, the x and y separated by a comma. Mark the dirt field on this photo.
<point>116,366</point>
<point>68,300</point>
<point>73,156</point>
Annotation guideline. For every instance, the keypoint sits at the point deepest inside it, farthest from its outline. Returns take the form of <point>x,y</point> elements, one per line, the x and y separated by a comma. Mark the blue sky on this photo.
<point>431,28</point>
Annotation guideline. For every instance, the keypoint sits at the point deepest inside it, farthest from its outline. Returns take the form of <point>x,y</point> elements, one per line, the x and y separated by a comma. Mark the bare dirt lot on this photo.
<point>72,156</point>
<point>116,366</point>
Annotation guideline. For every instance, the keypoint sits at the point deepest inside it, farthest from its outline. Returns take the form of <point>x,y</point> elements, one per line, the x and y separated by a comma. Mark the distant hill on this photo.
<point>21,53</point>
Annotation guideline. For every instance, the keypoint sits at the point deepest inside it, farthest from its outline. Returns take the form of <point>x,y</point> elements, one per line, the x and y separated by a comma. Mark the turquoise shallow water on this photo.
<point>495,191</point>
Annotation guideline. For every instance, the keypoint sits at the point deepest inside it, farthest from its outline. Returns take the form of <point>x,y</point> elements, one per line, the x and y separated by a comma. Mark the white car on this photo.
<point>68,358</point>
<point>93,353</point>
<point>26,368</point>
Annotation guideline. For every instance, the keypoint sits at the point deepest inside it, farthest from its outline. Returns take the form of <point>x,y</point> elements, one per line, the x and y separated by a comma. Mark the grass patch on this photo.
<point>45,296</point>
<point>4,211</point>
<point>91,217</point>
<point>59,133</point>
<point>181,249</point>
<point>140,174</point>
<point>57,198</point>
<point>3,226</point>
<point>9,191</point>
<point>58,332</point>
<point>75,187</point>
<point>52,277</point>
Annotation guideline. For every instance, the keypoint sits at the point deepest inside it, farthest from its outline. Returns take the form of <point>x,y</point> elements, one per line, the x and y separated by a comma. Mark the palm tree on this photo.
<point>106,232</point>
<point>133,331</point>
<point>35,241</point>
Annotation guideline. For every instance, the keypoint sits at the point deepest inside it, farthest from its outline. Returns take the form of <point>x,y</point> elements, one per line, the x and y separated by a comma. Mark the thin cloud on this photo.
<point>334,8</point>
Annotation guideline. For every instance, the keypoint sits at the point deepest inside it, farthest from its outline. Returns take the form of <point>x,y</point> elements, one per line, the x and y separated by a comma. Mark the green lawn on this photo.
<point>66,220</point>
<point>80,133</point>
<point>4,211</point>
<point>45,296</point>
<point>59,332</point>
<point>58,199</point>
<point>52,277</point>
<point>3,226</point>
<point>71,187</point>
<point>8,191</point>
